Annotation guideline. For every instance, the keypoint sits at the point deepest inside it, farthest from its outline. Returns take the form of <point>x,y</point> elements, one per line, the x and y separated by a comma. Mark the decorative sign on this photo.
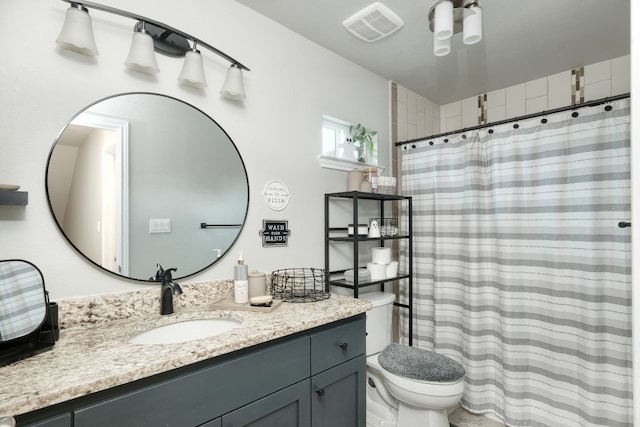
<point>276,194</point>
<point>275,233</point>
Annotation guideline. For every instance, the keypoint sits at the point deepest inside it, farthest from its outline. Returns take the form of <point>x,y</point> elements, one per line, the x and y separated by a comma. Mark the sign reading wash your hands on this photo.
<point>275,233</point>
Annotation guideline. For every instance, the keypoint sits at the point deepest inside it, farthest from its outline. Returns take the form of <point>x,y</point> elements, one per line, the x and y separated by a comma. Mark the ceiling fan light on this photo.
<point>77,32</point>
<point>472,26</point>
<point>192,73</point>
<point>443,20</point>
<point>141,55</point>
<point>441,47</point>
<point>233,87</point>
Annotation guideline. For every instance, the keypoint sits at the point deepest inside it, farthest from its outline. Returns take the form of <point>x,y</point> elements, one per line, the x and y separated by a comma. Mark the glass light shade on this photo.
<point>77,32</point>
<point>233,87</point>
<point>192,73</point>
<point>441,47</point>
<point>443,25</point>
<point>472,26</point>
<point>141,55</point>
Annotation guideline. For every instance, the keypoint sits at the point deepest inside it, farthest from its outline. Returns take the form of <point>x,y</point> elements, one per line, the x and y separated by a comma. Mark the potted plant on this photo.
<point>362,140</point>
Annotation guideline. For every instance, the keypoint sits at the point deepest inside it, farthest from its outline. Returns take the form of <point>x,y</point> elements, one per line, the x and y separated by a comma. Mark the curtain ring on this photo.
<point>490,131</point>
<point>516,126</point>
<point>608,108</point>
<point>430,142</point>
<point>575,114</point>
<point>544,120</point>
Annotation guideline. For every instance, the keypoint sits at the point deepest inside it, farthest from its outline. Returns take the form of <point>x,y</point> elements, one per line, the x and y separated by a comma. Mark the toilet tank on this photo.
<point>379,320</point>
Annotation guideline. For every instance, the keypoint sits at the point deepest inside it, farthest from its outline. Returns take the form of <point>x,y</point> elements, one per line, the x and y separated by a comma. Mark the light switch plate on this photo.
<point>159,226</point>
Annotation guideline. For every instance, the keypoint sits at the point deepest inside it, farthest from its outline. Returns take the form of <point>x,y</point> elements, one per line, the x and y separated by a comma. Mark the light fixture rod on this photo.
<point>113,10</point>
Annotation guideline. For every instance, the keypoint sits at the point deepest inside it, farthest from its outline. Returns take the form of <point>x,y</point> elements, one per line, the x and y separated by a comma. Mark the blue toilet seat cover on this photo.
<point>419,364</point>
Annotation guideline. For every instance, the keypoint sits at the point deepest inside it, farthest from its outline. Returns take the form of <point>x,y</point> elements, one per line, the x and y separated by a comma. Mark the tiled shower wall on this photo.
<point>417,117</point>
<point>575,86</point>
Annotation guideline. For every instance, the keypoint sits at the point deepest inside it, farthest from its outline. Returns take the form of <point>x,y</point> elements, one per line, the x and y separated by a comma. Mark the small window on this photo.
<point>336,141</point>
<point>334,134</point>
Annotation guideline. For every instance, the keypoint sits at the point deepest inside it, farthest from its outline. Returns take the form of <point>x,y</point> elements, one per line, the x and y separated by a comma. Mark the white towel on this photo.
<point>363,275</point>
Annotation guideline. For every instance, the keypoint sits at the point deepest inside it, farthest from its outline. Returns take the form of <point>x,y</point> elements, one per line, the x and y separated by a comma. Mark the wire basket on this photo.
<point>299,284</point>
<point>386,185</point>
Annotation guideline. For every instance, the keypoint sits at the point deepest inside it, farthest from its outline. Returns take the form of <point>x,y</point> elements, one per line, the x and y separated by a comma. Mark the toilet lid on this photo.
<point>419,364</point>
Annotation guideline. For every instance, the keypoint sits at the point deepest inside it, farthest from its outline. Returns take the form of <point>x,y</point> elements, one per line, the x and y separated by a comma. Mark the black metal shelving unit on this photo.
<point>340,234</point>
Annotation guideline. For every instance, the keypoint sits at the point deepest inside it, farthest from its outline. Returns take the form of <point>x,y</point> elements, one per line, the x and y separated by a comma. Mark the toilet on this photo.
<point>406,386</point>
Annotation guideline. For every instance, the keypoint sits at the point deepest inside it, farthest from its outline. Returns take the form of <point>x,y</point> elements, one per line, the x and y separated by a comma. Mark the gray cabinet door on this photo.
<point>338,395</point>
<point>206,394</point>
<point>286,408</point>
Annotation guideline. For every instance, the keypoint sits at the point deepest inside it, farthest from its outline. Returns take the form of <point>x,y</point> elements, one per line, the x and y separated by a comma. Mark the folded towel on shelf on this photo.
<point>363,275</point>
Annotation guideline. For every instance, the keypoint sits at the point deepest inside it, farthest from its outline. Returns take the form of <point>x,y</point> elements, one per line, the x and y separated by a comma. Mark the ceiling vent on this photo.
<point>374,22</point>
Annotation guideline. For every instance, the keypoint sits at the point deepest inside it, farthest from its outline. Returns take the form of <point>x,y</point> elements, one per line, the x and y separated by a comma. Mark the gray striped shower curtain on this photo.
<point>521,272</point>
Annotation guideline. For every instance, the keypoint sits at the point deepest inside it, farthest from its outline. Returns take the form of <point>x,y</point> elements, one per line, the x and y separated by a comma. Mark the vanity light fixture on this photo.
<point>149,35</point>
<point>449,17</point>
<point>192,73</point>
<point>77,32</point>
<point>233,87</point>
<point>142,56</point>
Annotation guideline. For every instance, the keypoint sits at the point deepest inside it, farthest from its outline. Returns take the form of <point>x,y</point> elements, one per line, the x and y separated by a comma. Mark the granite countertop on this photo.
<point>93,354</point>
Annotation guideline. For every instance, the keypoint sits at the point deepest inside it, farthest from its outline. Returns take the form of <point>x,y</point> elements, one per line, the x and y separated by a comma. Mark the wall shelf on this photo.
<point>14,197</point>
<point>329,162</point>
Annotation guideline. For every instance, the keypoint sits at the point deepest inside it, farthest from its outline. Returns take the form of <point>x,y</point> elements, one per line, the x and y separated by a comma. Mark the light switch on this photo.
<point>159,226</point>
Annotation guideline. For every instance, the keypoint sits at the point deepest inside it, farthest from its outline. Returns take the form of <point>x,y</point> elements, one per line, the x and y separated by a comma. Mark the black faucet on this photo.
<point>168,289</point>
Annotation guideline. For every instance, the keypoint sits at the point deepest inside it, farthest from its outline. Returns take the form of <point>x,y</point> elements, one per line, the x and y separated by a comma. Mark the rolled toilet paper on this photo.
<point>378,271</point>
<point>392,269</point>
<point>381,255</point>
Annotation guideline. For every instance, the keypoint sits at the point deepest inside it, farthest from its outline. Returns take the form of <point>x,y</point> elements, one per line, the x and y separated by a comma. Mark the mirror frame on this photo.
<point>151,279</point>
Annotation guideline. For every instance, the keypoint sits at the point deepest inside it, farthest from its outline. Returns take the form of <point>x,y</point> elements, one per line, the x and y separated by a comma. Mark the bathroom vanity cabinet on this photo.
<point>337,234</point>
<point>314,378</point>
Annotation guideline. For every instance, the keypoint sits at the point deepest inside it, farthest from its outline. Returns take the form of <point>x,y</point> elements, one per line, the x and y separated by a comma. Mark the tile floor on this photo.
<point>461,418</point>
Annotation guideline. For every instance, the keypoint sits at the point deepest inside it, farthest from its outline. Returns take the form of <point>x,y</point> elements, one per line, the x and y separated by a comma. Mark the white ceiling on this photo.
<point>523,40</point>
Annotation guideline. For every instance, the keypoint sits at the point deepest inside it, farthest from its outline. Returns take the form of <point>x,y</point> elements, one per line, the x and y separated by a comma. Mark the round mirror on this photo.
<point>141,179</point>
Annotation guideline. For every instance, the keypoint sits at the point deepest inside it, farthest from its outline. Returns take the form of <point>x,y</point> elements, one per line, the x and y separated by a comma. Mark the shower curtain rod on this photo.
<point>515,119</point>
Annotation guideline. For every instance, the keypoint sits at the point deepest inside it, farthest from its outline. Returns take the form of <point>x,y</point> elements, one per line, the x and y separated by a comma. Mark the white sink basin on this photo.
<point>188,330</point>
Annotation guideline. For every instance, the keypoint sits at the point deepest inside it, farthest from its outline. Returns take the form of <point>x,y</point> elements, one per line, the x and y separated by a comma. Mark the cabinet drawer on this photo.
<point>204,394</point>
<point>338,344</point>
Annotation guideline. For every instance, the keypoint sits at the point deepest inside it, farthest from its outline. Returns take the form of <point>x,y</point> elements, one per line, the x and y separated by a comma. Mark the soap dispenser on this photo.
<point>240,281</point>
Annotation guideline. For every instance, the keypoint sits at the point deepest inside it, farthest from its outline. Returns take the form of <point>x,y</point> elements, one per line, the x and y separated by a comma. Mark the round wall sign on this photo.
<point>276,195</point>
